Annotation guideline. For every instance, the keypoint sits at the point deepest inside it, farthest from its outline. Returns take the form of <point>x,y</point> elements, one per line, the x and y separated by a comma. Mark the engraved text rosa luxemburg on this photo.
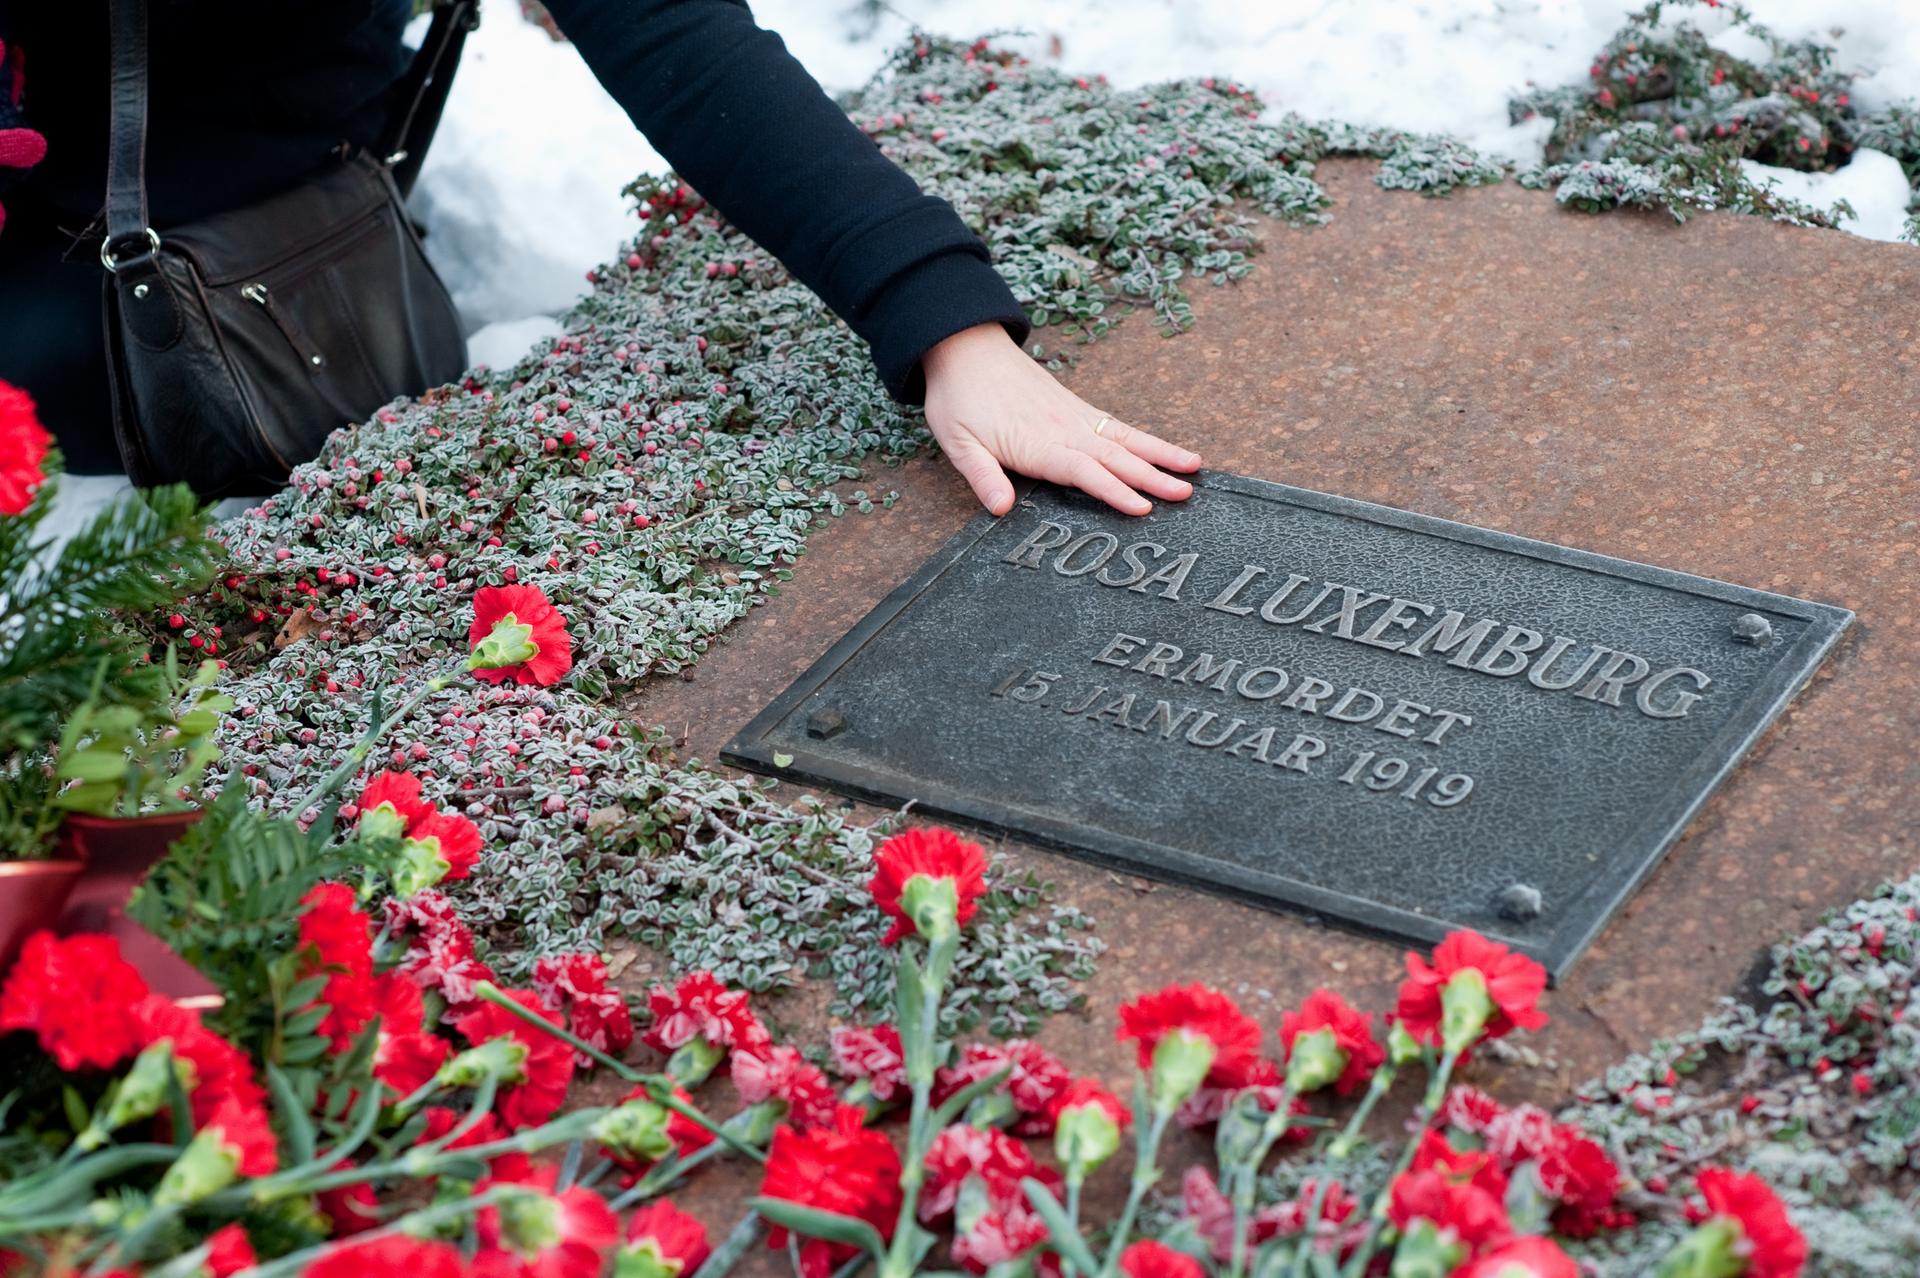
<point>1413,628</point>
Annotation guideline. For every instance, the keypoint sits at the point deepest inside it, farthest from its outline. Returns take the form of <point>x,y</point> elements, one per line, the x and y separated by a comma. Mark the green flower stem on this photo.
<point>421,1223</point>
<point>663,1175</point>
<point>359,751</point>
<point>922,1057</point>
<point>659,1086</point>
<point>1343,1145</point>
<point>476,1114</point>
<point>1146,1170</point>
<point>1341,1148</point>
<point>1246,1178</point>
<point>1377,1218</point>
<point>739,1240</point>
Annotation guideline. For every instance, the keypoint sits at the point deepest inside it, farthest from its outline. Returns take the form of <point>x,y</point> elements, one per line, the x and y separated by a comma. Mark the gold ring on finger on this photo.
<point>1102,423</point>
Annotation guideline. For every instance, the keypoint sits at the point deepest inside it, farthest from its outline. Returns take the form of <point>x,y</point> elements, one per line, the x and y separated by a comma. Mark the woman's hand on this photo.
<point>994,409</point>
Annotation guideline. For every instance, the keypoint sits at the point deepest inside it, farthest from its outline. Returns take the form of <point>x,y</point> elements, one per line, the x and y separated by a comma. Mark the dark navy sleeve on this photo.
<point>743,123</point>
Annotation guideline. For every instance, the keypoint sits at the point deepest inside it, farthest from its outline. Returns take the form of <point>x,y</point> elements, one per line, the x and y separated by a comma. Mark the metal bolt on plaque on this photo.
<point>826,723</point>
<point>1752,628</point>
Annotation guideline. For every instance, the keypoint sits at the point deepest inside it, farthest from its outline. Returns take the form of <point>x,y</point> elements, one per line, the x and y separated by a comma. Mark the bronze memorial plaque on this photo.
<point>1305,702</point>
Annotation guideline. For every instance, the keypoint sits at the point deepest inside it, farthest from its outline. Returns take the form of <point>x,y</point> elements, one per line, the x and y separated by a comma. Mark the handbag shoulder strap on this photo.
<point>428,82</point>
<point>424,96</point>
<point>128,231</point>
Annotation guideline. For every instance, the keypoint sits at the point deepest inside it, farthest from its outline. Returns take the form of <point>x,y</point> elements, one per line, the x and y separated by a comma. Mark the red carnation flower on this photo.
<point>960,1152</point>
<point>1529,1257</point>
<point>676,1241</point>
<point>452,838</point>
<point>1772,1246</point>
<point>440,952</point>
<point>23,452</point>
<point>547,1069</point>
<point>1005,1232</point>
<point>783,1074</point>
<point>405,1057</point>
<point>242,1129</point>
<point>595,1013</point>
<point>930,853</point>
<point>1514,984</point>
<point>841,1167</point>
<point>1199,1012</point>
<point>1463,1194</point>
<point>231,1251</point>
<point>1351,1032</point>
<point>872,1055</point>
<point>1578,1173</point>
<point>518,634</point>
<point>1038,1077</point>
<point>399,792</point>
<point>213,1068</point>
<point>545,1232</point>
<point>700,1007</point>
<point>1149,1259</point>
<point>390,1254</point>
<point>75,995</point>
<point>1088,1091</point>
<point>340,939</point>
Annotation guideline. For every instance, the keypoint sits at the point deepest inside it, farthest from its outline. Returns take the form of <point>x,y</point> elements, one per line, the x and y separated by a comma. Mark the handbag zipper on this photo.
<point>258,294</point>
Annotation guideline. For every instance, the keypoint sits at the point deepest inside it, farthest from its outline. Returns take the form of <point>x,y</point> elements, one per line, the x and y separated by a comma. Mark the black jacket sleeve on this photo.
<point>743,123</point>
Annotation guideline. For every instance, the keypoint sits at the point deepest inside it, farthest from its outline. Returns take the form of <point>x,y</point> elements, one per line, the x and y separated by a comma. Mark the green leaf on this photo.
<point>954,1104</point>
<point>1066,1239</point>
<point>304,1051</point>
<point>829,1225</point>
<point>294,1120</point>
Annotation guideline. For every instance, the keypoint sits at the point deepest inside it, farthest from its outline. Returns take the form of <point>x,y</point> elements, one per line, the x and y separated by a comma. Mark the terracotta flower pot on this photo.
<point>32,895</point>
<point>115,854</point>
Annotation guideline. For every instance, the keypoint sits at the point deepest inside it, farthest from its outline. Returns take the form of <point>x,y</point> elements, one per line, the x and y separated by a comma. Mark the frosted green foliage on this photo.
<point>1819,1092</point>
<point>1666,117</point>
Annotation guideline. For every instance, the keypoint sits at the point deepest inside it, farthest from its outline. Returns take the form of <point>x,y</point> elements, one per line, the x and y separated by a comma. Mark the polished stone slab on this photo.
<point>1306,702</point>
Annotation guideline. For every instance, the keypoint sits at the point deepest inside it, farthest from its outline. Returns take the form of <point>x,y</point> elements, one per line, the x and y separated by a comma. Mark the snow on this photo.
<point>521,191</point>
<point>1872,182</point>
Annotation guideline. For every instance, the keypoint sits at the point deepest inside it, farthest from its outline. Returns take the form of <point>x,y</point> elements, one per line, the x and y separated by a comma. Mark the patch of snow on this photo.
<point>501,344</point>
<point>521,191</point>
<point>1873,183</point>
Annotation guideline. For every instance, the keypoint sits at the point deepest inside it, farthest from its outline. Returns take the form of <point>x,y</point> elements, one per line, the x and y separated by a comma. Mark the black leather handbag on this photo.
<point>239,342</point>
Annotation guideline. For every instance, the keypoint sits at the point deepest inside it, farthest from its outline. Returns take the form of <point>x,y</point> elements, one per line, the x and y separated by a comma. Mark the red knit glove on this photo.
<point>20,147</point>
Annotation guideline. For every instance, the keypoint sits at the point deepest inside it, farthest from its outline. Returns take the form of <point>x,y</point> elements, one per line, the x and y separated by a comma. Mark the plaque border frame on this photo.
<point>1659,828</point>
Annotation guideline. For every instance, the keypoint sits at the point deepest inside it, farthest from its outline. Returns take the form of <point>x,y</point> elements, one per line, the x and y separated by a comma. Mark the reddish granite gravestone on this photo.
<point>1729,398</point>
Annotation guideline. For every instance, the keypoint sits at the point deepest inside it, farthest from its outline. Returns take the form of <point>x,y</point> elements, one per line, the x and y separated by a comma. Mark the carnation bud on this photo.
<point>636,1129</point>
<point>1465,1008</point>
<point>1315,1061</point>
<point>933,903</point>
<point>509,643</point>
<point>207,1166</point>
<point>502,1059</point>
<point>140,1094</point>
<point>1402,1048</point>
<point>644,1259</point>
<point>1180,1064</point>
<point>1085,1137</point>
<point>529,1221</point>
<point>1711,1251</point>
<point>694,1060</point>
<point>421,866</point>
<point>1424,1252</point>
